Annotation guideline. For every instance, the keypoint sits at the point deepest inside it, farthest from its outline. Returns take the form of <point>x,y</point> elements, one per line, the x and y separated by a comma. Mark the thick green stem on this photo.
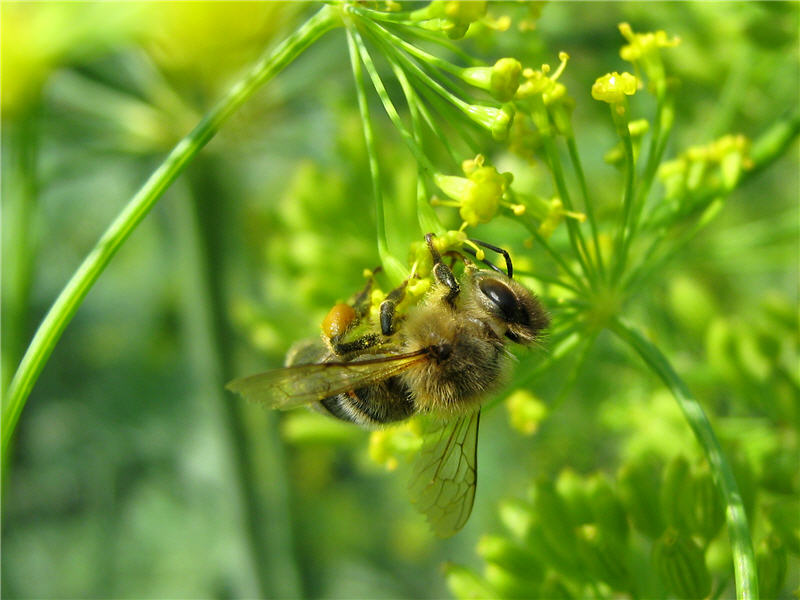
<point>744,565</point>
<point>139,206</point>
<point>257,452</point>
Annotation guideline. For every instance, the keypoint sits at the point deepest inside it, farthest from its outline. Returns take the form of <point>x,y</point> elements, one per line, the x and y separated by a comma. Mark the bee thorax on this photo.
<point>440,352</point>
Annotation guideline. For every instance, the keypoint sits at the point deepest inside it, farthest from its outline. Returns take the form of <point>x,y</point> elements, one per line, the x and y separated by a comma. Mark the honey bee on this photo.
<point>442,359</point>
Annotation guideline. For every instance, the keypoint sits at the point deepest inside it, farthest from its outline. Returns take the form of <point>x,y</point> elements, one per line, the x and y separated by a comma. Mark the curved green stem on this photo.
<point>744,564</point>
<point>139,206</point>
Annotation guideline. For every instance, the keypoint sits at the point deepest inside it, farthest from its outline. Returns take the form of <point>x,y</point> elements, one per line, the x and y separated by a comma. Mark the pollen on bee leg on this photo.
<point>338,320</point>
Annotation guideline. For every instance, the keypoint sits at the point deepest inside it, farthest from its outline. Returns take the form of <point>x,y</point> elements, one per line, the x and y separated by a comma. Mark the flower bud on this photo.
<point>675,492</point>
<point>572,489</point>
<point>557,526</point>
<point>496,120</point>
<point>681,565</point>
<point>706,513</point>
<point>639,487</point>
<point>607,509</point>
<point>505,79</point>
<point>604,557</point>
<point>500,80</point>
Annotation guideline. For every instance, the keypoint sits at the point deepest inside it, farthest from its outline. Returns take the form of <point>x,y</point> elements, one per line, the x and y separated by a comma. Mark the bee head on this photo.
<point>514,309</point>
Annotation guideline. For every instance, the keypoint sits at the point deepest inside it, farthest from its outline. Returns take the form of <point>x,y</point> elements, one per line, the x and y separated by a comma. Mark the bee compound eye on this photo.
<point>502,296</point>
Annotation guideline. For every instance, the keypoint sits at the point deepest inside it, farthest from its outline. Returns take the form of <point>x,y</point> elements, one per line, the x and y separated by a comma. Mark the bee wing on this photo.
<point>299,385</point>
<point>445,474</point>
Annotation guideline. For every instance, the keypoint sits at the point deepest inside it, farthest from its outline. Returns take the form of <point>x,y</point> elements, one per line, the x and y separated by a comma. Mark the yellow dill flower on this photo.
<point>613,87</point>
<point>644,51</point>
<point>478,195</point>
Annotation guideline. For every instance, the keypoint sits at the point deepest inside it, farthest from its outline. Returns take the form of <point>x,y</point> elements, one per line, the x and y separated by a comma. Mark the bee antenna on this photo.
<point>492,266</point>
<point>506,256</point>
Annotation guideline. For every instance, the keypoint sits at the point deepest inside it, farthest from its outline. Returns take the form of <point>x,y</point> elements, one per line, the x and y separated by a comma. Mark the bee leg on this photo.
<point>388,307</point>
<point>443,273</point>
<point>357,345</point>
<point>360,302</point>
<point>506,256</point>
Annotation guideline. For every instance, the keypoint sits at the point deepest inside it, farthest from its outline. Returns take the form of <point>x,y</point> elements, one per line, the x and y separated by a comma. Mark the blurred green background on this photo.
<point>134,474</point>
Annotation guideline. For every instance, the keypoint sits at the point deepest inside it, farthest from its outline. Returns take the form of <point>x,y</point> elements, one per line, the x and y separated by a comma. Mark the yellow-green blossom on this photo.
<point>545,98</point>
<point>555,215</point>
<point>644,50</point>
<point>543,82</point>
<point>478,195</point>
<point>714,166</point>
<point>613,87</point>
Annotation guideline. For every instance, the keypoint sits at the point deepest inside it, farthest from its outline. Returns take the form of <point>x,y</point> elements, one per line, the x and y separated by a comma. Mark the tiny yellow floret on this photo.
<point>613,87</point>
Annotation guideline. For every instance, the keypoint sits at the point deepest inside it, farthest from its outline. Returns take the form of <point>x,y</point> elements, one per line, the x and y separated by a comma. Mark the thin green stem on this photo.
<point>420,112</point>
<point>265,507</point>
<point>575,370</point>
<point>357,45</point>
<point>662,128</point>
<point>426,215</point>
<point>575,235</point>
<point>70,298</point>
<point>412,98</point>
<point>405,26</point>
<point>417,52</point>
<point>587,202</point>
<point>548,279</point>
<point>744,565</point>
<point>358,53</point>
<point>563,343</point>
<point>466,109</point>
<point>624,234</point>
<point>531,226</point>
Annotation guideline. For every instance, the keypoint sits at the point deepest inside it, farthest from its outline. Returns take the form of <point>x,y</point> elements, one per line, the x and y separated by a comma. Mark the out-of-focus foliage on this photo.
<point>124,479</point>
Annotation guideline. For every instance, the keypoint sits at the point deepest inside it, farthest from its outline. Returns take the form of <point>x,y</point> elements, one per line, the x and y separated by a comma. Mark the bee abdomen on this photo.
<point>371,406</point>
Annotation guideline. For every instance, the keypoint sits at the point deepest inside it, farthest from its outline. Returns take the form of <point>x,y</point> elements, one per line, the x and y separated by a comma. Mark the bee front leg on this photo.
<point>443,273</point>
<point>388,307</point>
<point>357,345</point>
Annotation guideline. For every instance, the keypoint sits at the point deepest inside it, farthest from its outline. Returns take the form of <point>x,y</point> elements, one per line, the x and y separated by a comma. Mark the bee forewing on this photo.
<point>299,385</point>
<point>445,474</point>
